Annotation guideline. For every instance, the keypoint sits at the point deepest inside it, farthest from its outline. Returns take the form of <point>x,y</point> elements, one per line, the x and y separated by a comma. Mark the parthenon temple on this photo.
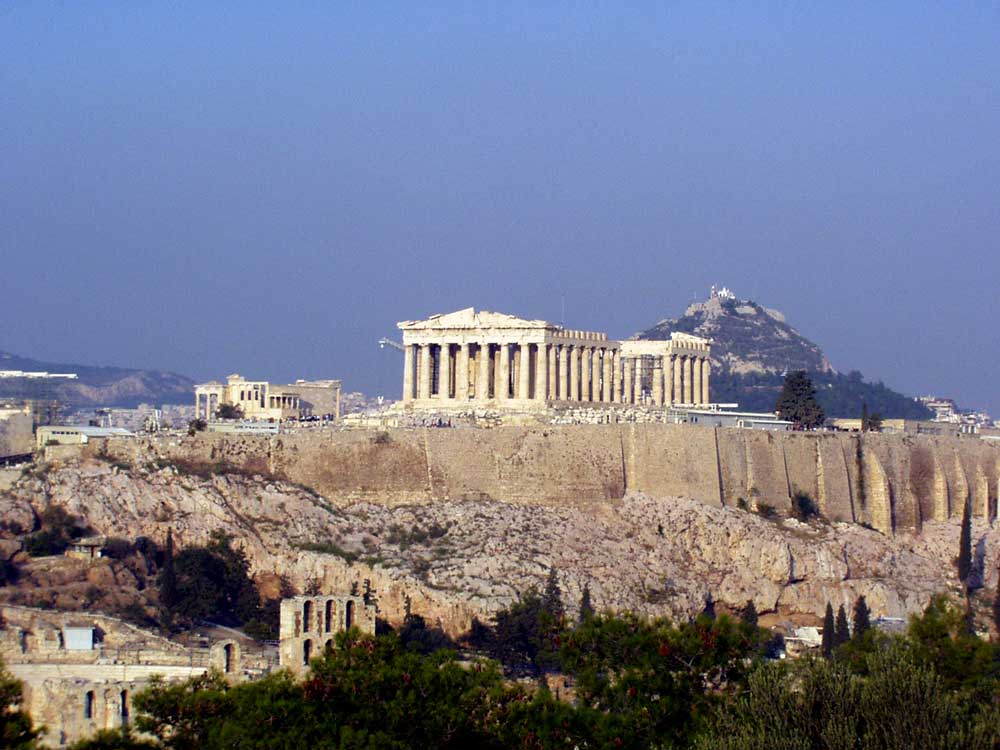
<point>464,357</point>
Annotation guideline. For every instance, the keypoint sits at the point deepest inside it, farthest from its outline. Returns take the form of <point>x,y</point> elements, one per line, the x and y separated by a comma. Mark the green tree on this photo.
<point>167,582</point>
<point>651,682</point>
<point>996,609</point>
<point>964,560</point>
<point>367,693</point>
<point>213,583</point>
<point>708,609</point>
<point>552,602</point>
<point>586,606</point>
<point>516,640</point>
<point>892,702</point>
<point>940,639</point>
<point>114,739</point>
<point>829,632</point>
<point>229,411</point>
<point>16,729</point>
<point>862,618</point>
<point>842,632</point>
<point>797,402</point>
<point>749,613</point>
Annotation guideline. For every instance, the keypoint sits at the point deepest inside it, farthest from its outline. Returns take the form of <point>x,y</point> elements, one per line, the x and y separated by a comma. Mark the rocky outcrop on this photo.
<point>747,338</point>
<point>466,556</point>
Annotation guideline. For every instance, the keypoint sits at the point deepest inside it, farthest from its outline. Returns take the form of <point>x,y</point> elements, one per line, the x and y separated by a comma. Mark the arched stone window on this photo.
<point>328,620</point>
<point>124,697</point>
<point>227,653</point>
<point>328,646</point>
<point>349,615</point>
<point>307,617</point>
<point>88,705</point>
<point>306,651</point>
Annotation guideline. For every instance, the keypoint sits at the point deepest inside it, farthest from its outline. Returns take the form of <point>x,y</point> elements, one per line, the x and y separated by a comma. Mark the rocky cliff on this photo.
<point>652,517</point>
<point>460,558</point>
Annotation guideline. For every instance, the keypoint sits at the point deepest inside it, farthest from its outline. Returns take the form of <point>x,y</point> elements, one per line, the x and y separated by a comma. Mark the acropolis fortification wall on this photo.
<point>887,481</point>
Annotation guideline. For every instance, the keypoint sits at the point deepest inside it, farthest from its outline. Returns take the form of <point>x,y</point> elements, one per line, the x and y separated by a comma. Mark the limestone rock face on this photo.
<point>462,558</point>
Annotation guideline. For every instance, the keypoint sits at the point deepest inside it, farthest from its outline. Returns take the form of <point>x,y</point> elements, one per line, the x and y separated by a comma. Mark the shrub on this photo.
<point>803,507</point>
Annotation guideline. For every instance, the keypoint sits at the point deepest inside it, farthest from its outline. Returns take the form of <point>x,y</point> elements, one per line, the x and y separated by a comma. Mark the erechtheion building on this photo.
<point>465,357</point>
<point>260,400</point>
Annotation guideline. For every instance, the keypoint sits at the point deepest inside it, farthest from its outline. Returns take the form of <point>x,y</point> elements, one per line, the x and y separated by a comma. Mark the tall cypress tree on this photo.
<point>749,613</point>
<point>586,607</point>
<point>168,578</point>
<point>829,631</point>
<point>864,416</point>
<point>552,602</point>
<point>996,610</point>
<point>709,609</point>
<point>862,617</point>
<point>842,632</point>
<point>964,561</point>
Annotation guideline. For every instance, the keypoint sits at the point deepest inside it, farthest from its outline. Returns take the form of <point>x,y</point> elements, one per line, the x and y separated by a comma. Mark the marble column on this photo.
<point>542,373</point>
<point>658,381</point>
<point>424,365</point>
<point>563,372</point>
<point>706,373</point>
<point>574,373</point>
<point>408,372</point>
<point>696,388</point>
<point>515,370</point>
<point>628,364</point>
<point>678,368</point>
<point>462,373</point>
<point>483,378</point>
<point>586,360</point>
<point>637,382</point>
<point>496,370</point>
<point>668,379</point>
<point>607,388</point>
<point>550,355</point>
<point>616,376</point>
<point>596,367</point>
<point>524,373</point>
<point>444,372</point>
<point>688,379</point>
<point>502,388</point>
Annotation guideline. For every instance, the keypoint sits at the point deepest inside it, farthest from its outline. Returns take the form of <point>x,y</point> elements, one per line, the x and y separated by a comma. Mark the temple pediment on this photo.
<point>470,318</point>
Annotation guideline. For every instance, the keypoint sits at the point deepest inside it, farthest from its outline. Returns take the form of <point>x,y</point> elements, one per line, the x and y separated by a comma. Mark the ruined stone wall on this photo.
<point>16,435</point>
<point>887,481</point>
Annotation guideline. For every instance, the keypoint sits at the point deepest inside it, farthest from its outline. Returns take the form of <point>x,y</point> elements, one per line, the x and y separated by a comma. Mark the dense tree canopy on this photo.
<point>213,583</point>
<point>637,683</point>
<point>797,402</point>
<point>16,730</point>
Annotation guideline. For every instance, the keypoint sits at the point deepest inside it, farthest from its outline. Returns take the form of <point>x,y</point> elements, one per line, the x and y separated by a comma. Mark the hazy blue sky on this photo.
<point>207,189</point>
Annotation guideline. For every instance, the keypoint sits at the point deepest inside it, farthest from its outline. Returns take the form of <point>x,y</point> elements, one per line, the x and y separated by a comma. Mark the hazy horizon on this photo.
<point>209,190</point>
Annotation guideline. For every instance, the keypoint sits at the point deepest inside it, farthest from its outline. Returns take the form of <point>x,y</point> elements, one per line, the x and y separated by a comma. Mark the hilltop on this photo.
<point>754,346</point>
<point>100,386</point>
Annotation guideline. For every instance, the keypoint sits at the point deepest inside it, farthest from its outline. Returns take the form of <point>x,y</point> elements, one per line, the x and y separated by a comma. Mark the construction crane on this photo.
<point>383,343</point>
